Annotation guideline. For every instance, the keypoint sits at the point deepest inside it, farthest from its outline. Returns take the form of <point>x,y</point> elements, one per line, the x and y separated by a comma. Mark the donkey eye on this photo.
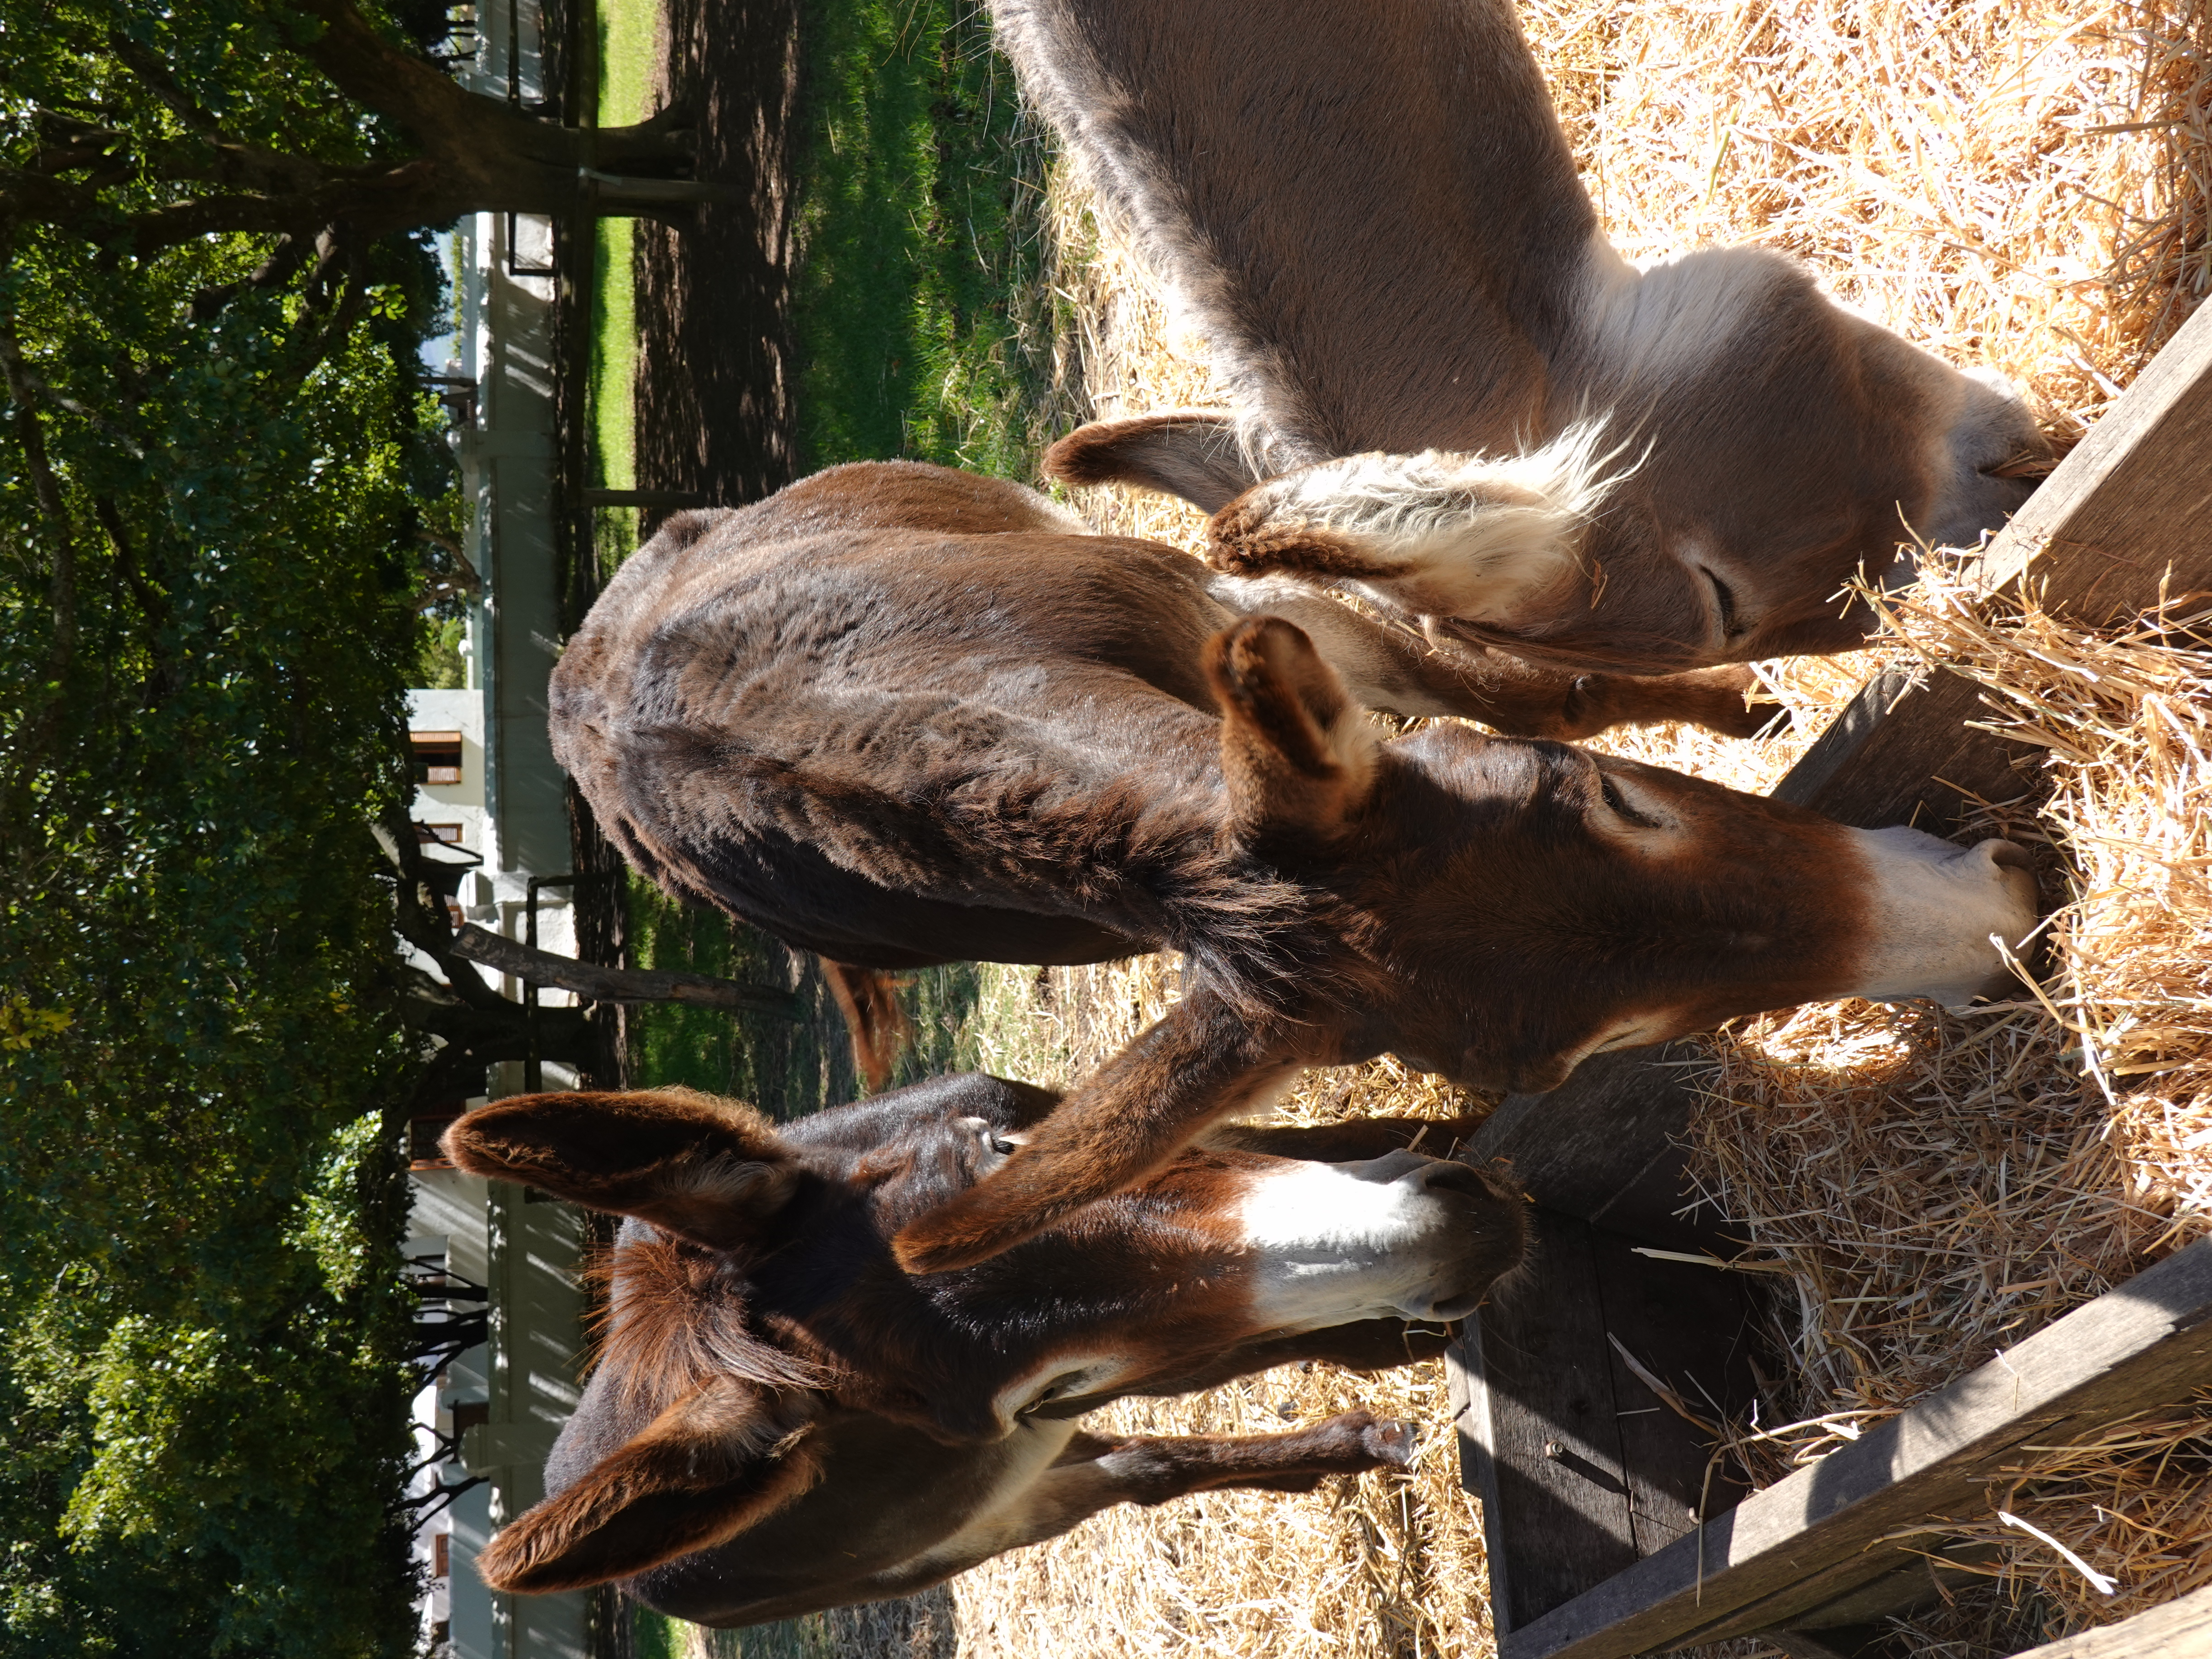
<point>990,1138</point>
<point>1724,599</point>
<point>1619,803</point>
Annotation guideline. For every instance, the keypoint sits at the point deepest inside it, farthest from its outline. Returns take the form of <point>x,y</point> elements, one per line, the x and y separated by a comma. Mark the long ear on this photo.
<point>1297,755</point>
<point>703,1470</point>
<point>706,1170</point>
<point>1442,534</point>
<point>1121,1124</point>
<point>1193,453</point>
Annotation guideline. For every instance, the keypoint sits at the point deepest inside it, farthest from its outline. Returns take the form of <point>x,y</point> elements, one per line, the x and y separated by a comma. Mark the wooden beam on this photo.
<point>1582,1467</point>
<point>1814,1537</point>
<point>2179,1629</point>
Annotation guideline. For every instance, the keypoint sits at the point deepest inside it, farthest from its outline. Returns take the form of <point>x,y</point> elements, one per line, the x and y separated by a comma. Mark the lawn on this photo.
<point>924,313</point>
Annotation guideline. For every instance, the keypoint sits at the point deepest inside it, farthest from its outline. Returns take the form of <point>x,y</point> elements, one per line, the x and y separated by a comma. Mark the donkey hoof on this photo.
<point>1389,1441</point>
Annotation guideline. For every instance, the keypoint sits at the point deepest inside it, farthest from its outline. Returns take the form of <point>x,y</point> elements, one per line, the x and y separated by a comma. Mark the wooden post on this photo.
<point>1779,1558</point>
<point>2123,514</point>
<point>1582,1467</point>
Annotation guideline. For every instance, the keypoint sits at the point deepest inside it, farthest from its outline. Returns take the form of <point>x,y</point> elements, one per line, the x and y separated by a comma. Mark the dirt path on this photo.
<point>714,300</point>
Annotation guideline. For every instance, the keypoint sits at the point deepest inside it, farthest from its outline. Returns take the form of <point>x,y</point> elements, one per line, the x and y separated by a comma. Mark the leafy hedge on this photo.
<point>207,574</point>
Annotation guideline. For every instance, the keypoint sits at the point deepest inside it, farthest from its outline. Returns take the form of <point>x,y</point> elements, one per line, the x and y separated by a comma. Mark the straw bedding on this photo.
<point>2018,186</point>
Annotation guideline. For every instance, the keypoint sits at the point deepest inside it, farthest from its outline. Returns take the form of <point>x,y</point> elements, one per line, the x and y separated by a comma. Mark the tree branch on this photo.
<point>149,67</point>
<point>283,265</point>
<point>46,488</point>
<point>474,944</point>
<point>447,1493</point>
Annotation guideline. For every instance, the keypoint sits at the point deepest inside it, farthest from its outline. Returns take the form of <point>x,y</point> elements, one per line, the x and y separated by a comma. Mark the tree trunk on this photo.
<point>483,154</point>
<point>476,155</point>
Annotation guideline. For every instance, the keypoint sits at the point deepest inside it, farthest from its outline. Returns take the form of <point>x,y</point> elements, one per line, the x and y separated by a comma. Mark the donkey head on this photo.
<point>1493,908</point>
<point>753,1297</point>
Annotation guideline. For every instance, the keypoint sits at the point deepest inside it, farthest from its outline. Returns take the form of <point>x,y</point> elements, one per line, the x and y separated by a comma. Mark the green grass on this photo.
<point>626,64</point>
<point>651,1635</point>
<point>924,324</point>
<point>785,1069</point>
<point>924,329</point>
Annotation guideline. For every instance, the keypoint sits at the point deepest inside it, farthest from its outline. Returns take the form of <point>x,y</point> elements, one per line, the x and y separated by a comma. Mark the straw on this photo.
<point>2017,186</point>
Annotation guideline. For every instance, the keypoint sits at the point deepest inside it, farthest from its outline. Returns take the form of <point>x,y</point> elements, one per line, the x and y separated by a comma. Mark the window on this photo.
<point>441,1560</point>
<point>448,834</point>
<point>437,756</point>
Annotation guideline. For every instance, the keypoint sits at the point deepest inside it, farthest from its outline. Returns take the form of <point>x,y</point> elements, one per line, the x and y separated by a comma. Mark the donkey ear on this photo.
<point>705,1170</point>
<point>1470,537</point>
<point>1297,752</point>
<point>707,1468</point>
<point>1193,453</point>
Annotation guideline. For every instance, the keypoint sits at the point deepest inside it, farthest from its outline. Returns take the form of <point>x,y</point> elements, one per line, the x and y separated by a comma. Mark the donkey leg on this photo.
<point>1095,1473</point>
<point>1129,1118</point>
<point>877,1025</point>
<point>1152,1469</point>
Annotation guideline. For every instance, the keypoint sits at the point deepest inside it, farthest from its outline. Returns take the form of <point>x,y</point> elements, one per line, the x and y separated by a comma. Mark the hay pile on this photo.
<point>1939,1187</point>
<point>2018,186</point>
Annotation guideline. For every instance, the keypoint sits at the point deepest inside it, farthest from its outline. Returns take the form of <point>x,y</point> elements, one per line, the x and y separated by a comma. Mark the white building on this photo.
<point>488,786</point>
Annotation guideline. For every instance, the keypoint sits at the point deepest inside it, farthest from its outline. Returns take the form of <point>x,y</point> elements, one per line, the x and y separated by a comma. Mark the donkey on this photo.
<point>1453,395</point>
<point>900,716</point>
<point>780,1420</point>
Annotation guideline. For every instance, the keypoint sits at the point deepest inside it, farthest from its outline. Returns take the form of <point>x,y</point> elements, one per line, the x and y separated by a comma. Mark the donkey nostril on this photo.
<point>1456,1177</point>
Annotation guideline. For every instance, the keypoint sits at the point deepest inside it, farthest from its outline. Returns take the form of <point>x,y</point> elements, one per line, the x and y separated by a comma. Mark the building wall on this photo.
<point>512,800</point>
<point>461,803</point>
<point>525,1249</point>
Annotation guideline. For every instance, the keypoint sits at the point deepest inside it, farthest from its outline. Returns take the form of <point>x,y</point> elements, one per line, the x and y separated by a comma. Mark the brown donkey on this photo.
<point>781,1420</point>
<point>1455,397</point>
<point>900,716</point>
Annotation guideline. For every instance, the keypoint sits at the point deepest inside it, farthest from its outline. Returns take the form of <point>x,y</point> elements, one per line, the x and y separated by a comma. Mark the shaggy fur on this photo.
<point>789,1422</point>
<point>1373,217</point>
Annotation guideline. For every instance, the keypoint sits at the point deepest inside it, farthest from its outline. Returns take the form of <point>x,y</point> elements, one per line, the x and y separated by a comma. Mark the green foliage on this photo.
<point>440,666</point>
<point>923,321</point>
<point>209,512</point>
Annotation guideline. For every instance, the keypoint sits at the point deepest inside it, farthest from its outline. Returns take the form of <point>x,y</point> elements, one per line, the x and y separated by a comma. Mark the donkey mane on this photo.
<point>685,1321</point>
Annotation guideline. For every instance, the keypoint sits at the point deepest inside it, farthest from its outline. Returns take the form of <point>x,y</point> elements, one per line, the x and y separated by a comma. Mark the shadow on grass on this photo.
<point>785,1068</point>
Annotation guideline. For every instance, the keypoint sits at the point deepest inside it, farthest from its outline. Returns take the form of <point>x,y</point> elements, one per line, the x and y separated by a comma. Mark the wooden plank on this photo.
<point>1605,1145</point>
<point>2179,1629</point>
<point>1694,1329</point>
<point>2096,539</point>
<point>1815,1535</point>
<point>1581,1467</point>
<point>1542,1437</point>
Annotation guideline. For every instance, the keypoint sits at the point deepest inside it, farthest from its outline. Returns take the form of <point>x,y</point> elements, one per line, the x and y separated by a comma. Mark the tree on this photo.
<point>165,152</point>
<point>219,472</point>
<point>216,456</point>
